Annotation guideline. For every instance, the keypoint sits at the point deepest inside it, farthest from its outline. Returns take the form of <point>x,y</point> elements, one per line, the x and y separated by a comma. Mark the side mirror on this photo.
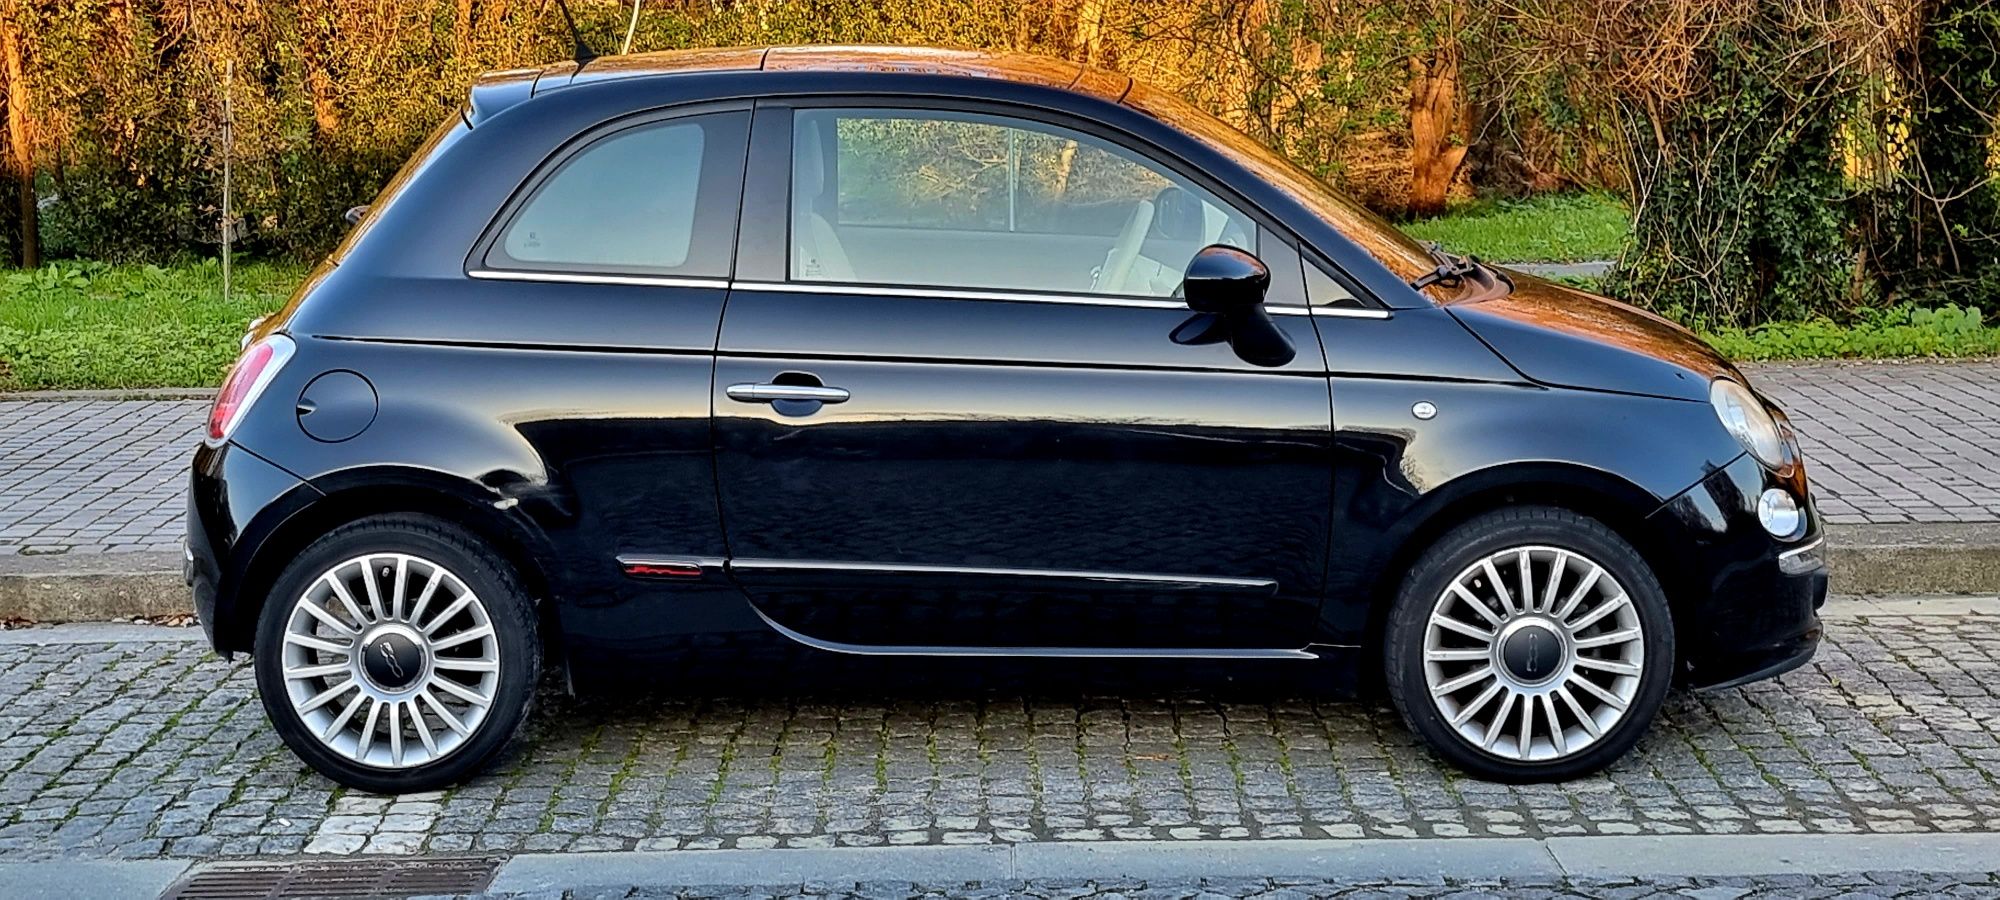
<point>354,214</point>
<point>1225,280</point>
<point>1225,287</point>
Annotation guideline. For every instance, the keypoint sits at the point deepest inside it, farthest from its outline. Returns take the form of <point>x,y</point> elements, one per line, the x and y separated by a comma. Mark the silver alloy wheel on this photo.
<point>1533,653</point>
<point>390,660</point>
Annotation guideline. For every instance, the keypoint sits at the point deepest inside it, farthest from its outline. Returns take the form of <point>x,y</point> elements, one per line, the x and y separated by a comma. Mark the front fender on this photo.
<point>1400,480</point>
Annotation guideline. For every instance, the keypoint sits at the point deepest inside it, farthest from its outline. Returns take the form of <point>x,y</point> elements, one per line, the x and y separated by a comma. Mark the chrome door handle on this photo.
<point>766,393</point>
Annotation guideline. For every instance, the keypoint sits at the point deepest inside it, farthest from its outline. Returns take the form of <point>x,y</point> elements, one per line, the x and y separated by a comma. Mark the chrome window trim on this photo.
<point>1349,312</point>
<point>857,290</point>
<point>591,278</point>
<point>807,287</point>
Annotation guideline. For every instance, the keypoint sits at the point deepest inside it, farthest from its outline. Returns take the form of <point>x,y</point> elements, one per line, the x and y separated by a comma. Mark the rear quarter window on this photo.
<point>652,199</point>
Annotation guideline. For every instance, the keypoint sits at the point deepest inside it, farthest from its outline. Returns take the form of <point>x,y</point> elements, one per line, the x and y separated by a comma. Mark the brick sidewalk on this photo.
<point>158,748</point>
<point>1885,444</point>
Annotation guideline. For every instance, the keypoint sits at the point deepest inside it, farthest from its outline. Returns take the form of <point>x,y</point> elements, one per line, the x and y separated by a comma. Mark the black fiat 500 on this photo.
<point>911,352</point>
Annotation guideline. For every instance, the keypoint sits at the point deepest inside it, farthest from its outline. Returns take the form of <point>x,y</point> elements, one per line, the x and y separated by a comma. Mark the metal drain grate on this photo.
<point>349,879</point>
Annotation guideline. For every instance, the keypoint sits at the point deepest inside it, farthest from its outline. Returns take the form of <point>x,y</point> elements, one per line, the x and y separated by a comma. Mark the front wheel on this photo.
<point>1530,644</point>
<point>396,654</point>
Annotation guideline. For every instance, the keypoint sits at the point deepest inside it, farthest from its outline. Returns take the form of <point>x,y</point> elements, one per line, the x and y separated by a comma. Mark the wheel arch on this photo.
<point>1621,505</point>
<point>354,495</point>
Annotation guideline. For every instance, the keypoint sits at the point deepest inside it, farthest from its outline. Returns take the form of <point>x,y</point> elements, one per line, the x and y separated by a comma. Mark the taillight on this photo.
<point>253,371</point>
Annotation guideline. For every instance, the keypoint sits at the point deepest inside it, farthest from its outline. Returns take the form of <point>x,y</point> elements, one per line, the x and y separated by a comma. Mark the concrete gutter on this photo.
<point>1867,560</point>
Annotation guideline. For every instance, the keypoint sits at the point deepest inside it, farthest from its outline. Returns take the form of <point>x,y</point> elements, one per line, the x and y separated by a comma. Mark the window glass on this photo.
<point>639,201</point>
<point>1323,289</point>
<point>974,201</point>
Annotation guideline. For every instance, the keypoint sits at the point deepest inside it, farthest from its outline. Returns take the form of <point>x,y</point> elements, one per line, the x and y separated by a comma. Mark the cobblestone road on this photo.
<point>1888,884</point>
<point>1886,444</point>
<point>159,748</point>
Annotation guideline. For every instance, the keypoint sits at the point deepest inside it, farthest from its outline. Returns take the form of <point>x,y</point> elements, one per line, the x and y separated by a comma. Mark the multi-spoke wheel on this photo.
<point>396,653</point>
<point>1530,643</point>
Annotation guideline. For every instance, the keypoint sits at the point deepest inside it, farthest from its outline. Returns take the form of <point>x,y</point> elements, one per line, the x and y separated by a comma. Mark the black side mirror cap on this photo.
<point>1225,280</point>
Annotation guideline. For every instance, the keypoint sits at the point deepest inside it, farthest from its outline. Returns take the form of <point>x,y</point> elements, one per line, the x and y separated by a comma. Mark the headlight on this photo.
<point>1745,417</point>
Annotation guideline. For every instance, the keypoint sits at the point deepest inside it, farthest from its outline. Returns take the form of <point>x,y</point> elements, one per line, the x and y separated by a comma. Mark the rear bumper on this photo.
<point>235,500</point>
<point>1752,611</point>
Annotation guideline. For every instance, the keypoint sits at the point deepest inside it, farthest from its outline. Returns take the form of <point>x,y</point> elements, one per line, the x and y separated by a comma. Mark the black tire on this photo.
<point>1464,547</point>
<point>508,607</point>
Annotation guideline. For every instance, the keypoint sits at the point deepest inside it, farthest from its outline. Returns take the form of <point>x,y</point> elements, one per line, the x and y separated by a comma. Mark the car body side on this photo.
<point>567,434</point>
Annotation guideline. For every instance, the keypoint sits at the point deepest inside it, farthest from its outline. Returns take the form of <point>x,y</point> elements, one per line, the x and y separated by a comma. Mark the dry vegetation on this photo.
<point>1783,157</point>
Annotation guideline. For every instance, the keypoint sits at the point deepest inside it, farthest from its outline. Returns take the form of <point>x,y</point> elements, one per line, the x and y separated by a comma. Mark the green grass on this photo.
<point>89,325</point>
<point>1547,228</point>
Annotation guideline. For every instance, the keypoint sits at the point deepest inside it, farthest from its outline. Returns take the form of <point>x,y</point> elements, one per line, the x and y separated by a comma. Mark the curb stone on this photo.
<point>108,394</point>
<point>1813,855</point>
<point>92,587</point>
<point>89,879</point>
<point>1866,559</point>
<point>1594,268</point>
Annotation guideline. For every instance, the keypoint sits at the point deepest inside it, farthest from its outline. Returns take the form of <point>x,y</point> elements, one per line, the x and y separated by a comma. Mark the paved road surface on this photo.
<point>149,748</point>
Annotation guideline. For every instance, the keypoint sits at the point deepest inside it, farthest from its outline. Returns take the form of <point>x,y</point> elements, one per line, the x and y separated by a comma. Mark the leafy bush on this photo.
<point>1901,331</point>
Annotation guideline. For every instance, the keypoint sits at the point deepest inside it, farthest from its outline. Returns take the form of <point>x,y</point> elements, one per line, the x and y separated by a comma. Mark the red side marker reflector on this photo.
<point>662,570</point>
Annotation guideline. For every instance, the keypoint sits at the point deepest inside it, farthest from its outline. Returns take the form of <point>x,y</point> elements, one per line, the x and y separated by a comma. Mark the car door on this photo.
<point>589,320</point>
<point>953,414</point>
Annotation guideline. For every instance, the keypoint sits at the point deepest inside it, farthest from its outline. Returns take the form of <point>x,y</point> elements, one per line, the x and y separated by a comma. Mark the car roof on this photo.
<point>1021,68</point>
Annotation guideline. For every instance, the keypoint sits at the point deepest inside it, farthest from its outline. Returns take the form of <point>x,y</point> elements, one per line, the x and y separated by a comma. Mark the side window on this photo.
<point>965,200</point>
<point>655,199</point>
<point>1323,289</point>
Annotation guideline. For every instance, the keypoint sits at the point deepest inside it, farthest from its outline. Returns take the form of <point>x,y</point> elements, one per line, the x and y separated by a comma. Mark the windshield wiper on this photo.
<point>1450,269</point>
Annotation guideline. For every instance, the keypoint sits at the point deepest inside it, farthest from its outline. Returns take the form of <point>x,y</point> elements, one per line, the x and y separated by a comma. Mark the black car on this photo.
<point>913,352</point>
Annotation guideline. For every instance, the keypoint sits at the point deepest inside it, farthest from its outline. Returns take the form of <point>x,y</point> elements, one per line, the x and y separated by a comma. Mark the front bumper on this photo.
<point>1746,605</point>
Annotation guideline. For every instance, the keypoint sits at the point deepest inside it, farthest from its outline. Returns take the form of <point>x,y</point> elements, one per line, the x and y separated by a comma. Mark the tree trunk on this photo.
<point>1089,36</point>
<point>1083,47</point>
<point>1434,119</point>
<point>318,40</point>
<point>1260,100</point>
<point>20,136</point>
<point>462,28</point>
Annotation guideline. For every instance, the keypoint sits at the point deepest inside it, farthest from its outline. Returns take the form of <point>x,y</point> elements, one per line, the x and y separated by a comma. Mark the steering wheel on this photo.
<point>1125,251</point>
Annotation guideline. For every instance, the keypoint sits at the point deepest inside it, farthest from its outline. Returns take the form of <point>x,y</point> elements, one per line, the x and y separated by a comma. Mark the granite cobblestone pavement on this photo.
<point>1803,887</point>
<point>1886,444</point>
<point>156,748</point>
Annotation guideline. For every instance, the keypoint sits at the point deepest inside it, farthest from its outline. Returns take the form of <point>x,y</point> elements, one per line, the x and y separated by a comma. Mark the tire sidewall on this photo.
<point>1466,545</point>
<point>507,606</point>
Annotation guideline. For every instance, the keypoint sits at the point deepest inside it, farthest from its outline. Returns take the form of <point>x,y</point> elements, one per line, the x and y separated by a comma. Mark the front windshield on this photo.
<point>1401,253</point>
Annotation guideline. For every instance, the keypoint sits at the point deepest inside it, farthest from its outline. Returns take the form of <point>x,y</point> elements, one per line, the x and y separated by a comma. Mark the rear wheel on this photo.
<point>397,653</point>
<point>1530,644</point>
